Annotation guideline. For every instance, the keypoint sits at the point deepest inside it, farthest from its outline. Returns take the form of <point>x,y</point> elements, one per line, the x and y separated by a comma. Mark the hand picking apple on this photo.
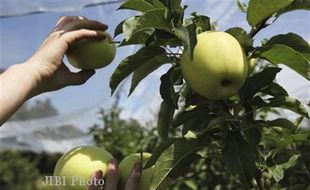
<point>74,169</point>
<point>45,70</point>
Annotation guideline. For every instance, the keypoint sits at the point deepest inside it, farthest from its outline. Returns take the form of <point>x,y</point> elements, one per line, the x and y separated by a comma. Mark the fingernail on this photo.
<point>98,174</point>
<point>138,166</point>
<point>114,161</point>
<point>113,164</point>
<point>101,35</point>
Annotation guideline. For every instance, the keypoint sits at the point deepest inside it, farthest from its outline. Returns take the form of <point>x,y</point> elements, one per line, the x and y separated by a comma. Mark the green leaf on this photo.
<point>285,103</point>
<point>164,120</point>
<point>119,29</point>
<point>281,122</point>
<point>282,54</point>
<point>129,26</point>
<point>186,116</point>
<point>252,131</point>
<point>175,5</point>
<point>291,40</point>
<point>141,5</point>
<point>167,90</point>
<point>290,104</point>
<point>258,81</point>
<point>277,171</point>
<point>242,6</point>
<point>153,19</point>
<point>163,38</point>
<point>175,12</point>
<point>259,10</point>
<point>202,23</point>
<point>203,122</point>
<point>297,5</point>
<point>139,37</point>
<point>172,156</point>
<point>183,167</point>
<point>129,64</point>
<point>158,151</point>
<point>243,38</point>
<point>189,39</point>
<point>274,89</point>
<point>147,68</point>
<point>294,138</point>
<point>291,162</point>
<point>238,156</point>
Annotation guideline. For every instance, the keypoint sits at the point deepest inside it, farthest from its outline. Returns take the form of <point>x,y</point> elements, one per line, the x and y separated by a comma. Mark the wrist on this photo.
<point>27,75</point>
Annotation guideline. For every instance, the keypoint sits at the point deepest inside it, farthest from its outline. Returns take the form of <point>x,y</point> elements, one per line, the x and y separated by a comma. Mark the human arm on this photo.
<point>45,71</point>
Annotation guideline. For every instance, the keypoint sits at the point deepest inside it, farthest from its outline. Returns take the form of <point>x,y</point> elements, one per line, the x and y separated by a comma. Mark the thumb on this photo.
<point>96,176</point>
<point>80,77</point>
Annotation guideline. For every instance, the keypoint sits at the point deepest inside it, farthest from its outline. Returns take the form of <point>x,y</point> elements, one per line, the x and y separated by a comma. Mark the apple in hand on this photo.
<point>219,67</point>
<point>92,54</point>
<point>126,166</point>
<point>78,165</point>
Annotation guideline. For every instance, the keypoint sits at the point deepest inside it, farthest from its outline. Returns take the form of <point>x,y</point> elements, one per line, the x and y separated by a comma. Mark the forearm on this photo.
<point>17,84</point>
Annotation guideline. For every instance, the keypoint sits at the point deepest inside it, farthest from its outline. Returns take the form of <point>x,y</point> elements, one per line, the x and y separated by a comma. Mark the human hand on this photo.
<point>47,63</point>
<point>112,177</point>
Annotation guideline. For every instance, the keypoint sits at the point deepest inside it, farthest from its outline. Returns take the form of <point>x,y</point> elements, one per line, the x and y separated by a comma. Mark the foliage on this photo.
<point>17,172</point>
<point>232,143</point>
<point>122,137</point>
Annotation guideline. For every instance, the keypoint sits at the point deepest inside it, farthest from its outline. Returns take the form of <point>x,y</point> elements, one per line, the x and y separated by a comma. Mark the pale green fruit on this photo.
<point>126,166</point>
<point>81,163</point>
<point>91,54</point>
<point>219,67</point>
<point>252,63</point>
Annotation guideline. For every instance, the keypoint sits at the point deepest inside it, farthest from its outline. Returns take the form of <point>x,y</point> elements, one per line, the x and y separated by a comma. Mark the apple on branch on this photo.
<point>219,67</point>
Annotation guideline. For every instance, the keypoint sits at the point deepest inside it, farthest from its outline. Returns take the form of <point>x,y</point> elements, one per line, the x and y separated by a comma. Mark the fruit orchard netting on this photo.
<point>22,7</point>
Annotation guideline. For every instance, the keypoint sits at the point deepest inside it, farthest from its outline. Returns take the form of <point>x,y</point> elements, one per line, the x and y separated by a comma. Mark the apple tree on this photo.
<point>232,142</point>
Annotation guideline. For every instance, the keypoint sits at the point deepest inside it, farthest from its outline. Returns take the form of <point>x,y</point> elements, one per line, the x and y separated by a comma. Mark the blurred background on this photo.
<point>55,122</point>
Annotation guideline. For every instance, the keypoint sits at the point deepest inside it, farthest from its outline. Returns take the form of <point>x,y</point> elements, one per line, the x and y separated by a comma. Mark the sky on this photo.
<point>21,36</point>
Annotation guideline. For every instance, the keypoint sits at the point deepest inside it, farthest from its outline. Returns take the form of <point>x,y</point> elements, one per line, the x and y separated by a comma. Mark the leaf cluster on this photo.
<point>230,133</point>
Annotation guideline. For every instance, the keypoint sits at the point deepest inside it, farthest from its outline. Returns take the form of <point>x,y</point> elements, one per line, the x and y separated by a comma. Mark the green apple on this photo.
<point>219,67</point>
<point>78,165</point>
<point>252,63</point>
<point>126,166</point>
<point>92,54</point>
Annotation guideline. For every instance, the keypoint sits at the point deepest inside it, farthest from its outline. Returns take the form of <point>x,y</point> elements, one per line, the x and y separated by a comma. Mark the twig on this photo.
<point>259,27</point>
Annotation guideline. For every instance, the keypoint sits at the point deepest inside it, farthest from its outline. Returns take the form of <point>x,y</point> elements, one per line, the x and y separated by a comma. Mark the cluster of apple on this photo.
<point>218,69</point>
<point>76,167</point>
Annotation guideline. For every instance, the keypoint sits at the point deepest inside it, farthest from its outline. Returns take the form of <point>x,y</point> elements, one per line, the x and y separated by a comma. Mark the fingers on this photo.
<point>96,176</point>
<point>134,177</point>
<point>79,78</point>
<point>69,23</point>
<point>65,19</point>
<point>76,35</point>
<point>112,176</point>
<point>88,24</point>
